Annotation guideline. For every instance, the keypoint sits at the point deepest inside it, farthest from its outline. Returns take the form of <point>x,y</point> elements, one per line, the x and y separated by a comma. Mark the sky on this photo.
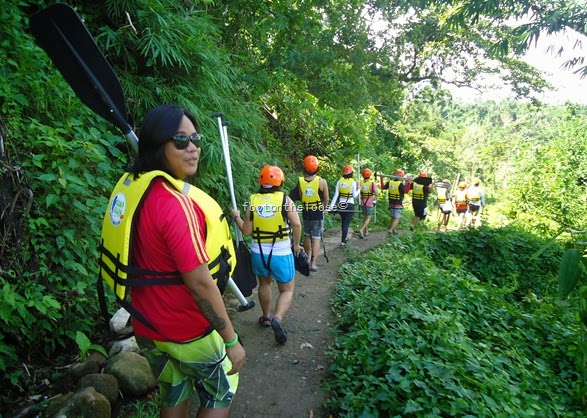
<point>569,86</point>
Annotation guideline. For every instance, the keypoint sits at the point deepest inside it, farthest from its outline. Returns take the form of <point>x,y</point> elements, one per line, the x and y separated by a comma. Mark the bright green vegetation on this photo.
<point>293,78</point>
<point>436,326</point>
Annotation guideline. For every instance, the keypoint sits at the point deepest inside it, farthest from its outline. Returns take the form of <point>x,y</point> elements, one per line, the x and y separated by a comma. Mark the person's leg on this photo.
<point>365,228</point>
<point>179,411</point>
<point>265,295</point>
<point>315,251</point>
<point>416,218</point>
<point>468,217</point>
<point>346,221</point>
<point>213,413</point>
<point>308,238</point>
<point>284,299</point>
<point>441,218</point>
<point>396,215</point>
<point>316,234</point>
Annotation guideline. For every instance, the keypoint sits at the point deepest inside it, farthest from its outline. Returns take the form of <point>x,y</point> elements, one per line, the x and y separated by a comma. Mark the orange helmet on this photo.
<point>311,164</point>
<point>423,174</point>
<point>271,176</point>
<point>400,173</point>
<point>347,169</point>
<point>366,173</point>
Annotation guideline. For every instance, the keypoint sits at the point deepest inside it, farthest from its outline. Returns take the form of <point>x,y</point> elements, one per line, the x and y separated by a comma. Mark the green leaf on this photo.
<point>569,272</point>
<point>51,199</point>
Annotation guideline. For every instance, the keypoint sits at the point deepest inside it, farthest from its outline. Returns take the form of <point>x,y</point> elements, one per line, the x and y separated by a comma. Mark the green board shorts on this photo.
<point>367,210</point>
<point>199,365</point>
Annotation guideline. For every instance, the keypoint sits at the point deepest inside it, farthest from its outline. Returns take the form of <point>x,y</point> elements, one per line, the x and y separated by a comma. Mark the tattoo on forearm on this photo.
<point>210,314</point>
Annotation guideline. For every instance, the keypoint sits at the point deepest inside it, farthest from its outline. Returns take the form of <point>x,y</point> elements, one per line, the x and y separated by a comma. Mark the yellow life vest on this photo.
<point>461,197</point>
<point>309,191</point>
<point>393,190</point>
<point>269,217</point>
<point>366,188</point>
<point>474,194</point>
<point>418,192</point>
<point>442,195</point>
<point>117,232</point>
<point>344,187</point>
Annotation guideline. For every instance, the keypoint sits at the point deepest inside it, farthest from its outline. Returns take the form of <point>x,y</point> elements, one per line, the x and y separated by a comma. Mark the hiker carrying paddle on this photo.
<point>444,203</point>
<point>271,218</point>
<point>312,190</point>
<point>189,339</point>
<point>396,190</point>
<point>476,198</point>
<point>421,187</point>
<point>343,201</point>
<point>369,191</point>
<point>461,203</point>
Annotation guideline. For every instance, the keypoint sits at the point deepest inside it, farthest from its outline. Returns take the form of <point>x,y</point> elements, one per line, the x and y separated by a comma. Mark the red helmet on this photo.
<point>400,173</point>
<point>347,169</point>
<point>271,176</point>
<point>423,174</point>
<point>366,173</point>
<point>311,164</point>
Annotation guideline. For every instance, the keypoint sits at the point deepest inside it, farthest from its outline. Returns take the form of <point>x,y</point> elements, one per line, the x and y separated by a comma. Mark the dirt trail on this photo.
<point>284,381</point>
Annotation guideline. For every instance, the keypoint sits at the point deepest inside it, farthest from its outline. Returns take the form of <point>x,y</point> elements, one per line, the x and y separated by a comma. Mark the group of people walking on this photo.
<point>172,242</point>
<point>466,203</point>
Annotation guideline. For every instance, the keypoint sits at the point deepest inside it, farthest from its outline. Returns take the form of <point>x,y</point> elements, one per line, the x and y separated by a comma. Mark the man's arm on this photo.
<point>244,224</point>
<point>296,225</point>
<point>324,189</point>
<point>209,301</point>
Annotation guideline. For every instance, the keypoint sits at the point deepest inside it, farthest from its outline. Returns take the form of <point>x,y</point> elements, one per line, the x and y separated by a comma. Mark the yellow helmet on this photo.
<point>462,185</point>
<point>476,182</point>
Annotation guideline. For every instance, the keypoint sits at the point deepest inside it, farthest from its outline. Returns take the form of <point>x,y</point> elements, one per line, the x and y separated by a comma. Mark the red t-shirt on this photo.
<point>169,236</point>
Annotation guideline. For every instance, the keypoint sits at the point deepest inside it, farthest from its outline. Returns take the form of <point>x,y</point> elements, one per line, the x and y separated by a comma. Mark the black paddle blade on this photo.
<point>301,263</point>
<point>243,274</point>
<point>60,32</point>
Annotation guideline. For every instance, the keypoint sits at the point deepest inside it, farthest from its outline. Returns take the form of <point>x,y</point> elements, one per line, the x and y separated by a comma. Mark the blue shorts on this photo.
<point>313,229</point>
<point>282,267</point>
<point>396,212</point>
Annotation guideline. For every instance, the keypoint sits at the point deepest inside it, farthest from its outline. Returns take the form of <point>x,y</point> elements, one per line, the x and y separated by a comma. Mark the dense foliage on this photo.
<point>337,80</point>
<point>416,339</point>
<point>502,257</point>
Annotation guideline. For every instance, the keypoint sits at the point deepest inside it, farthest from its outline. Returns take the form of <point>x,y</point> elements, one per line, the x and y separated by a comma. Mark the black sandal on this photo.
<point>264,322</point>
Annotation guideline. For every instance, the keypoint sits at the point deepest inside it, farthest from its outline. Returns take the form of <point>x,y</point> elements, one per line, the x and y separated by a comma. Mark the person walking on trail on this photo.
<point>421,187</point>
<point>396,190</point>
<point>178,236</point>
<point>476,198</point>
<point>369,191</point>
<point>271,219</point>
<point>345,192</point>
<point>444,203</point>
<point>312,191</point>
<point>461,203</point>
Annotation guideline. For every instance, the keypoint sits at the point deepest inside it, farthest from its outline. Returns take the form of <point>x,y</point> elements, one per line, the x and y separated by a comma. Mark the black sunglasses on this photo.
<point>183,141</point>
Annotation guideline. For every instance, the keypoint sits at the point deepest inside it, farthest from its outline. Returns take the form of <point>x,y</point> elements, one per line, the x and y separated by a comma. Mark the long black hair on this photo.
<point>159,126</point>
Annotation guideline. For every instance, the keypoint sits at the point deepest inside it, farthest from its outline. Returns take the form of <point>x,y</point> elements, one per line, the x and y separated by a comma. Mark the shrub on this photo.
<point>413,339</point>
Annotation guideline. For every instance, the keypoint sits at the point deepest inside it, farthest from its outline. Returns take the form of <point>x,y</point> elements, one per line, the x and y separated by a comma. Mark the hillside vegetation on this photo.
<point>343,81</point>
